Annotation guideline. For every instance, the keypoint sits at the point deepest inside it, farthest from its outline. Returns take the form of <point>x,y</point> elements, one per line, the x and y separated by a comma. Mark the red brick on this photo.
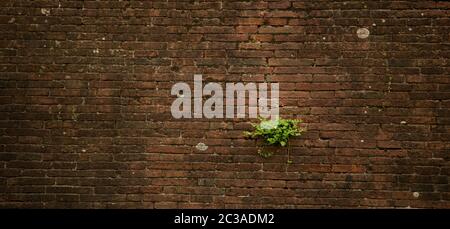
<point>85,104</point>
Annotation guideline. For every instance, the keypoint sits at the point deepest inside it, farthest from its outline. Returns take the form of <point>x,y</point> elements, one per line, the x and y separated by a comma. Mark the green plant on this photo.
<point>264,153</point>
<point>275,133</point>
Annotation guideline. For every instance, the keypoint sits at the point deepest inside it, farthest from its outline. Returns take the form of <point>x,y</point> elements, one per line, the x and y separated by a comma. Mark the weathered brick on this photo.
<point>85,104</point>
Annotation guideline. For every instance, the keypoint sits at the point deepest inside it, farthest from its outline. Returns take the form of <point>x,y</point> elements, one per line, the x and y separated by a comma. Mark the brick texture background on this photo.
<point>85,101</point>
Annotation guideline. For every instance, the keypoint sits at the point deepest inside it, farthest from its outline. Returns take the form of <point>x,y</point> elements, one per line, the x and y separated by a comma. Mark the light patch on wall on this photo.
<point>46,12</point>
<point>201,146</point>
<point>363,33</point>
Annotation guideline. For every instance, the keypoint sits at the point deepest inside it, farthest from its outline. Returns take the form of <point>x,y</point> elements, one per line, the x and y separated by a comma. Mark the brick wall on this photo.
<point>85,103</point>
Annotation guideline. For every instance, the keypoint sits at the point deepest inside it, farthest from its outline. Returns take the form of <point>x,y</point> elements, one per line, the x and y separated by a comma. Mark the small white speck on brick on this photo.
<point>416,194</point>
<point>403,122</point>
<point>45,12</point>
<point>362,140</point>
<point>383,20</point>
<point>374,24</point>
<point>83,150</point>
<point>363,33</point>
<point>201,146</point>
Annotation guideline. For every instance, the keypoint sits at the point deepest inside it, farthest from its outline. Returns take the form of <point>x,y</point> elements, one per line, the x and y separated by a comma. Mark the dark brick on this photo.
<point>85,104</point>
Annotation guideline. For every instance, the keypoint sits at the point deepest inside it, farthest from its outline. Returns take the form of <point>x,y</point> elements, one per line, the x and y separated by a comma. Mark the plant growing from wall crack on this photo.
<point>275,133</point>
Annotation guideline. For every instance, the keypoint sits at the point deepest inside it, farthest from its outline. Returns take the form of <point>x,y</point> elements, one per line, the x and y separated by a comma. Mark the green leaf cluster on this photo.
<point>275,132</point>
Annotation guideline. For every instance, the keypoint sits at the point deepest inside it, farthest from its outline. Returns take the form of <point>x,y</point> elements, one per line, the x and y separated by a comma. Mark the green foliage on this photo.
<point>276,132</point>
<point>264,154</point>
